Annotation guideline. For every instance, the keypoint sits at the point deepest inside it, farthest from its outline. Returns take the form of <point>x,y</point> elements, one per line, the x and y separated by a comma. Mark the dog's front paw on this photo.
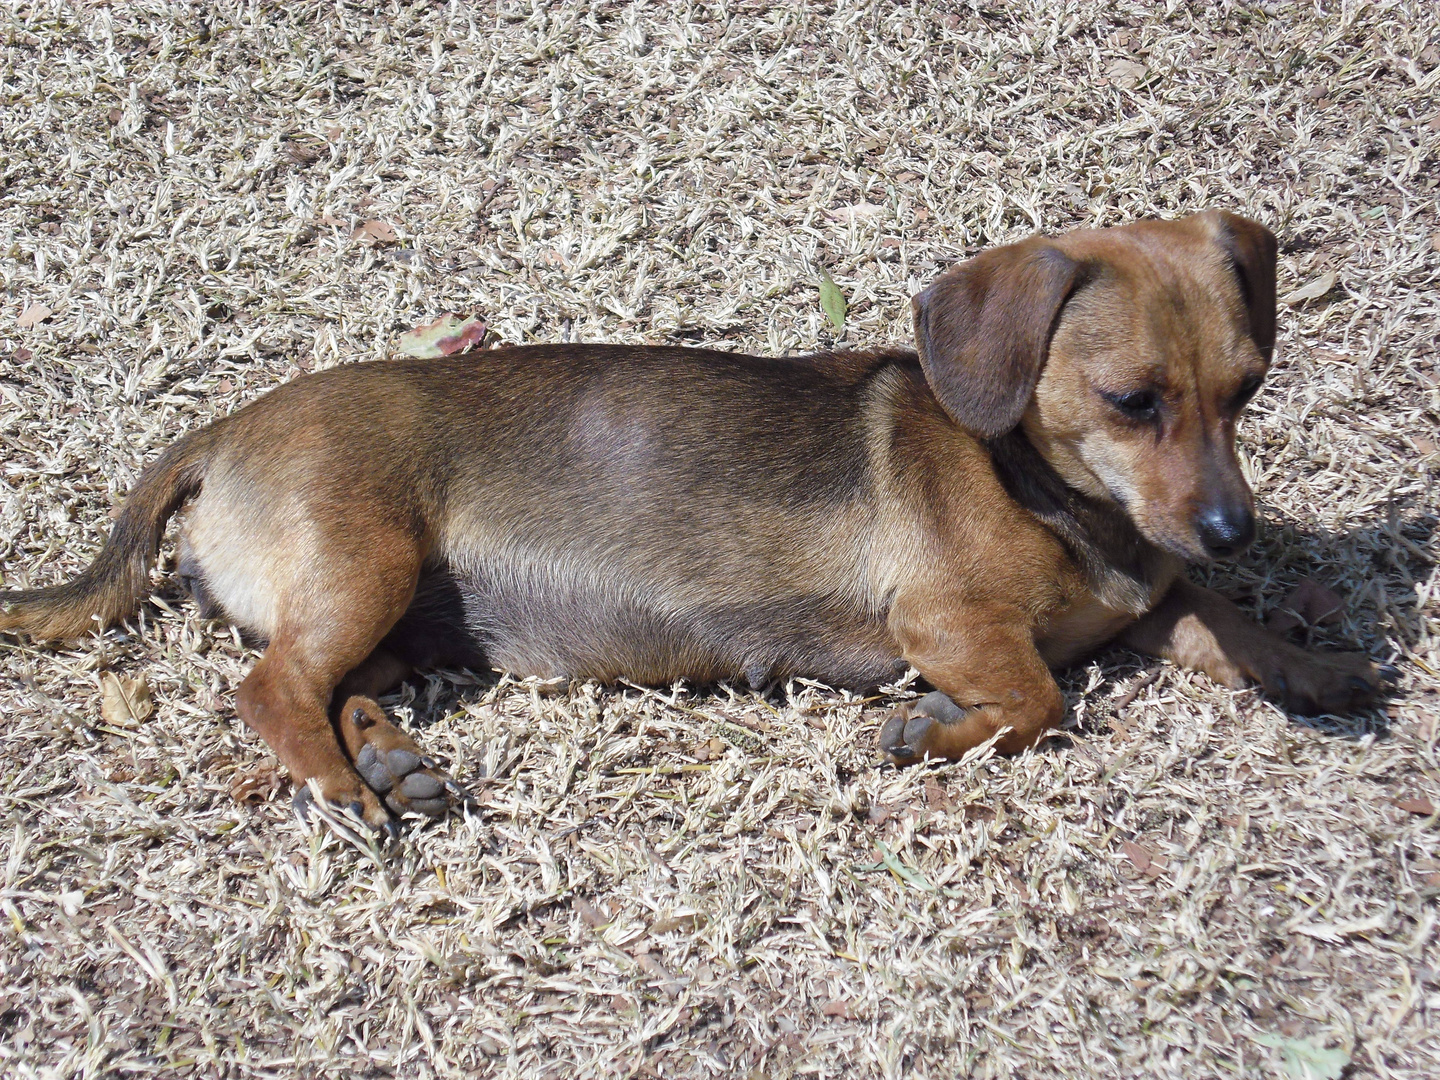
<point>1310,684</point>
<point>912,728</point>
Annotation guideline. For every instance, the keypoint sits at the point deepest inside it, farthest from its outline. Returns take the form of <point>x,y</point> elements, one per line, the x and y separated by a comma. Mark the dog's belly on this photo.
<point>598,629</point>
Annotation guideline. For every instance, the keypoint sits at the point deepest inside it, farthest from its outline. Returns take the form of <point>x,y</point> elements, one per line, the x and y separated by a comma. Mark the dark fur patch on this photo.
<point>192,577</point>
<point>1119,564</point>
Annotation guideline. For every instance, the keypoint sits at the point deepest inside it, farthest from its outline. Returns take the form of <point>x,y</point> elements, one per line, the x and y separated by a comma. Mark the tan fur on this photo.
<point>982,510</point>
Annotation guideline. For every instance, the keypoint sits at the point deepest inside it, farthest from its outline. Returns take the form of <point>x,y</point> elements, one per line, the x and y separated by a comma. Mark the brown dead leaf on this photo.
<point>1419,805</point>
<point>33,315</point>
<point>679,919</point>
<point>1139,855</point>
<point>836,1007</point>
<point>1312,290</point>
<point>936,798</point>
<point>593,915</point>
<point>657,971</point>
<point>1310,604</point>
<point>256,783</point>
<point>379,231</point>
<point>1125,73</point>
<point>861,211</point>
<point>1435,241</point>
<point>124,703</point>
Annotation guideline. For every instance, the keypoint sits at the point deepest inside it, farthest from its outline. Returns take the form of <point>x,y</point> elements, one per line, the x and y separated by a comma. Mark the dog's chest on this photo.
<point>1078,629</point>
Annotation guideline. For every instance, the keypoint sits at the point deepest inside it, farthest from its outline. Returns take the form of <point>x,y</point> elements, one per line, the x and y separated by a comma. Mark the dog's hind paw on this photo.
<point>393,767</point>
<point>408,781</point>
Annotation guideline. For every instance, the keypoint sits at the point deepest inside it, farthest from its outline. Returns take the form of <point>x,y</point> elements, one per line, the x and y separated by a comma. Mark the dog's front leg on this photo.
<point>989,678</point>
<point>1201,630</point>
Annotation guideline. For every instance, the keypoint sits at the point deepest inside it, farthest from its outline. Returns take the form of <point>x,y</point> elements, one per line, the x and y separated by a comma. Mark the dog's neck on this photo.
<point>1121,567</point>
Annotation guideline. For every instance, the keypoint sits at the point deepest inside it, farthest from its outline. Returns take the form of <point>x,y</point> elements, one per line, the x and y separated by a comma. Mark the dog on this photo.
<point>1022,489</point>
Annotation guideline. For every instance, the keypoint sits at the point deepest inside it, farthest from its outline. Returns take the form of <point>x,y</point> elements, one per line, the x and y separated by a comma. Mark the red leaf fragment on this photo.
<point>446,336</point>
<point>1420,805</point>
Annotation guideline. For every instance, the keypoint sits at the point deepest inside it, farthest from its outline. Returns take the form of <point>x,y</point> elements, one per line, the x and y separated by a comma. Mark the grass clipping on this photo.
<point>203,201</point>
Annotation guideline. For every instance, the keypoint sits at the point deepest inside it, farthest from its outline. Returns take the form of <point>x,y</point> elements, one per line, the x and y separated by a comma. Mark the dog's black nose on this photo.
<point>1226,530</point>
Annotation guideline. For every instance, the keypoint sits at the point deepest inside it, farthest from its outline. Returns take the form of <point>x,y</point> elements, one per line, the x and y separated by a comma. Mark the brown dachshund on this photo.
<point>1025,489</point>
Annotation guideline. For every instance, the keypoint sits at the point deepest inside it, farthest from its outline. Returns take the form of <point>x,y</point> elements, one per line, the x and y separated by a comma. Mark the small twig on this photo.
<point>1130,695</point>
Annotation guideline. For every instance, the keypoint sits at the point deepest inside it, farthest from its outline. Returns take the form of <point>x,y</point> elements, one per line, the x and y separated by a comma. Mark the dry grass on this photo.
<point>670,883</point>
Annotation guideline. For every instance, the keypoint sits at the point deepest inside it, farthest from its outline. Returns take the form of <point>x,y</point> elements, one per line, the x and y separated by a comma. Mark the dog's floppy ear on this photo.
<point>983,330</point>
<point>1252,248</point>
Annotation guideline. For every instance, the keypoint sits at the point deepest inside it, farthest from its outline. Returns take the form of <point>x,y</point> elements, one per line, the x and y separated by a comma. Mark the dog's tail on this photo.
<point>112,586</point>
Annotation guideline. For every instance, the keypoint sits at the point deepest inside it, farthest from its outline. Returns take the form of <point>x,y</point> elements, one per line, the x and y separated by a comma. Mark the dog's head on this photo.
<point>1125,355</point>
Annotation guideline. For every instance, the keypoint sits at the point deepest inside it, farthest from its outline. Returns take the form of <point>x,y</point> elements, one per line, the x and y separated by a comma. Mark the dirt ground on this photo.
<point>200,201</point>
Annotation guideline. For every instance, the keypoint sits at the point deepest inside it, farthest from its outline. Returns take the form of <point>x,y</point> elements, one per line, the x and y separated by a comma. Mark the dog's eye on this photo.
<point>1136,404</point>
<point>1248,389</point>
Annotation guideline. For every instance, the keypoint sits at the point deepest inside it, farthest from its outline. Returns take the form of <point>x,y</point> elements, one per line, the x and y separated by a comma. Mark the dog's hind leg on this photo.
<point>325,628</point>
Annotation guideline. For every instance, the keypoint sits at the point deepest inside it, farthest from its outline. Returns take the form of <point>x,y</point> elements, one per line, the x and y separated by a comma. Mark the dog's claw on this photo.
<point>1389,673</point>
<point>911,727</point>
<point>304,803</point>
<point>892,741</point>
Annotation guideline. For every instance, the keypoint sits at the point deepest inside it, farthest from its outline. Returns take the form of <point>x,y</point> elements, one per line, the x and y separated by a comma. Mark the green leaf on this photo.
<point>1302,1059</point>
<point>832,301</point>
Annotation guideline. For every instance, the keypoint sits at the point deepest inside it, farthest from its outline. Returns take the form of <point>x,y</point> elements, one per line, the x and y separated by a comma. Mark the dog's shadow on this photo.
<point>1371,570</point>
